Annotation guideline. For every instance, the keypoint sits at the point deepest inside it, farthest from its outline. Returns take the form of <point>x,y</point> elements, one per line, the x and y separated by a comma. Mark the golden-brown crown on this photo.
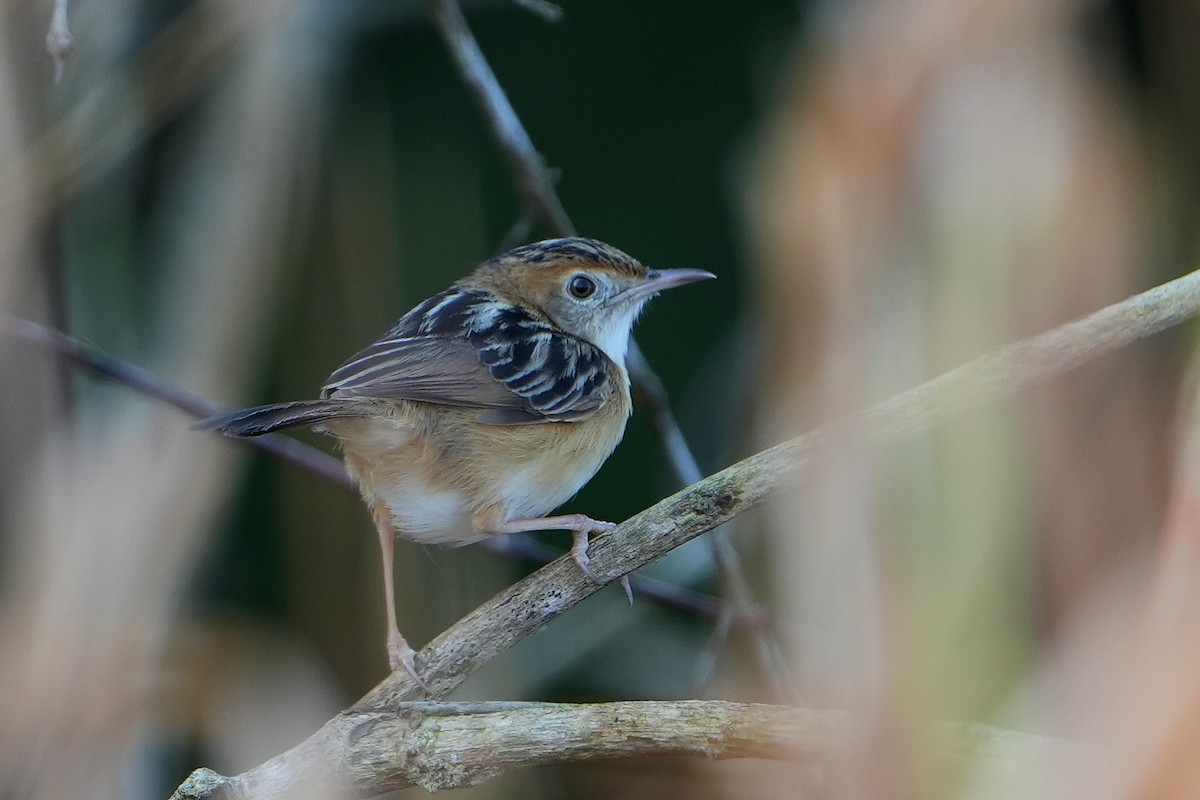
<point>569,251</point>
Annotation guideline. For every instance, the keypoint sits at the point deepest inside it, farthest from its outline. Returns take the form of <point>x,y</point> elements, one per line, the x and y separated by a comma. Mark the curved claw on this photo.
<point>402,656</point>
<point>579,553</point>
<point>580,526</point>
<point>628,588</point>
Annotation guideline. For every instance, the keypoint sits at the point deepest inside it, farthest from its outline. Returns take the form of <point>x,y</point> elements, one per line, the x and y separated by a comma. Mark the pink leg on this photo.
<point>400,654</point>
<point>579,525</point>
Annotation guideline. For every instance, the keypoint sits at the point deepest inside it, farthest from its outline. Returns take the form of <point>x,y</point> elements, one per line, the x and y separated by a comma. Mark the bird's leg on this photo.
<point>580,526</point>
<point>400,654</point>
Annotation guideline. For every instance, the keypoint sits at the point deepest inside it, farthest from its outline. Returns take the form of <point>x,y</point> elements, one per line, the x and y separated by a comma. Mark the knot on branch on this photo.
<point>716,502</point>
<point>404,747</point>
<point>204,784</point>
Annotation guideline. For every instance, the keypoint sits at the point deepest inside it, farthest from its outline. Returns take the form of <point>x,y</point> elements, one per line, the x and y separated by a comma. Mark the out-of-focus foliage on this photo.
<point>237,196</point>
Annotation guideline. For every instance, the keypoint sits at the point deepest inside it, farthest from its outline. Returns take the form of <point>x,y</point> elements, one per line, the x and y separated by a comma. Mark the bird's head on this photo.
<point>589,289</point>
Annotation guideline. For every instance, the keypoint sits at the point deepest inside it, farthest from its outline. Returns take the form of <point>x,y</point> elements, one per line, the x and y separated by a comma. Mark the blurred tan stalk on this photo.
<point>106,526</point>
<point>940,177</point>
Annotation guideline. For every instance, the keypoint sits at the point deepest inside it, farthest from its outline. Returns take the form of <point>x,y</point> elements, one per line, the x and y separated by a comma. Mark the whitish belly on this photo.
<point>428,516</point>
<point>393,466</point>
<point>537,487</point>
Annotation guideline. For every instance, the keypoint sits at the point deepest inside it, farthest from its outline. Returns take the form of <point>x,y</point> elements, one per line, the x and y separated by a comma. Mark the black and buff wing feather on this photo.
<point>465,347</point>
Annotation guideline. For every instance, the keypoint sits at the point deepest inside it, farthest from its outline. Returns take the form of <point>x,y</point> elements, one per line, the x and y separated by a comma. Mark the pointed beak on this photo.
<point>659,279</point>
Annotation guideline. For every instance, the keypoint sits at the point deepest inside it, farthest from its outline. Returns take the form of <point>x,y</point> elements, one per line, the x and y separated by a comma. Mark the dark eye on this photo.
<point>581,286</point>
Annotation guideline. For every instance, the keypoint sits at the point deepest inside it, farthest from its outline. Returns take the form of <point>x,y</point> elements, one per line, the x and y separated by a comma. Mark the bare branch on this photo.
<point>60,44</point>
<point>456,745</point>
<point>533,602</point>
<point>97,130</point>
<point>291,451</point>
<point>530,604</point>
<point>451,745</point>
<point>660,592</point>
<point>532,177</point>
<point>735,587</point>
<point>549,12</point>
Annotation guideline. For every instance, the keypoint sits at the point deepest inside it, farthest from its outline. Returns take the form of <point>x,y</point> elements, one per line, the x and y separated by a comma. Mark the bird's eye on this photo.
<point>581,286</point>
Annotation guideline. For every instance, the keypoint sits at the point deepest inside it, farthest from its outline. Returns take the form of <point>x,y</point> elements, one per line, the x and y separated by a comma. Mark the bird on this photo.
<point>486,406</point>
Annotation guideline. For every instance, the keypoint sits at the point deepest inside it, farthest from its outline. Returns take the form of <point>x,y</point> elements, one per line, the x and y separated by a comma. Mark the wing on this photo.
<point>429,369</point>
<point>470,349</point>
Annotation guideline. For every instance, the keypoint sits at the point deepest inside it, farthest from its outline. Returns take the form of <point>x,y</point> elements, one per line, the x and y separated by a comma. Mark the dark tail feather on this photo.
<point>264,419</point>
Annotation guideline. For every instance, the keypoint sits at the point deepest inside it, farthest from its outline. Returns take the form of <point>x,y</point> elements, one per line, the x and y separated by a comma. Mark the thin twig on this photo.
<point>55,288</point>
<point>97,130</point>
<point>60,44</point>
<point>537,187</point>
<point>706,666</point>
<point>547,11</point>
<point>518,233</point>
<point>530,604</point>
<point>532,178</point>
<point>315,462</point>
<point>145,382</point>
<point>735,587</point>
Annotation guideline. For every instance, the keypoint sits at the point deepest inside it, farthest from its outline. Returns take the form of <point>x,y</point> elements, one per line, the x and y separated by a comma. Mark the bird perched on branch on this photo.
<point>489,404</point>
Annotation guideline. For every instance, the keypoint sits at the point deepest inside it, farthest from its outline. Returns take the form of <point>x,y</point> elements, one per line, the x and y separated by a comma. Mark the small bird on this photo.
<point>488,405</point>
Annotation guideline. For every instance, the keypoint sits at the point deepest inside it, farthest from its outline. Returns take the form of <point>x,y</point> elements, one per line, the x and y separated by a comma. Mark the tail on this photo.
<point>264,419</point>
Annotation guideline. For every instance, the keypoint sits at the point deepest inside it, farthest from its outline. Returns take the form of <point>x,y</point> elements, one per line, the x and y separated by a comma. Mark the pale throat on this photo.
<point>612,336</point>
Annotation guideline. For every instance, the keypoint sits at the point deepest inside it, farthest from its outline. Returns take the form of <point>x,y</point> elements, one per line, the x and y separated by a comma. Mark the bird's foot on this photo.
<point>579,553</point>
<point>402,656</point>
<point>581,533</point>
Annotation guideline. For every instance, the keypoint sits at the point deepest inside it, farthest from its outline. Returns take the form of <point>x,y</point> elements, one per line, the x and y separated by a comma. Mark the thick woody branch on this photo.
<point>532,603</point>
<point>454,745</point>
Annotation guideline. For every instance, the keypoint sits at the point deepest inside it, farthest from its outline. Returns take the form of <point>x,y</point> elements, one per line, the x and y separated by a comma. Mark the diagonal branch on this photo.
<point>532,177</point>
<point>291,451</point>
<point>735,587</point>
<point>532,603</point>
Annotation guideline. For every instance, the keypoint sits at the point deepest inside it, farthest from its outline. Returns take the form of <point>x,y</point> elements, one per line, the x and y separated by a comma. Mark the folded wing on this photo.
<point>465,348</point>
